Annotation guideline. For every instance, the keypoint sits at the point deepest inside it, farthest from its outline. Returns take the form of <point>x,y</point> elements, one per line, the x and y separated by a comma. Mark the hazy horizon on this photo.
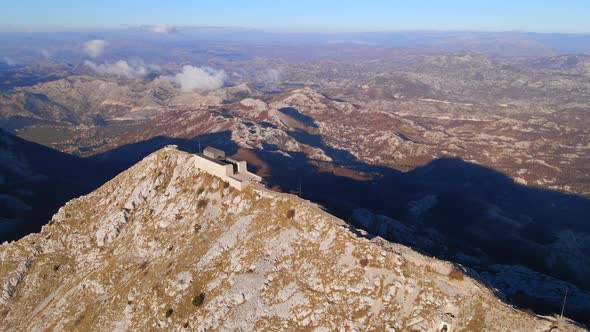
<point>15,29</point>
<point>303,16</point>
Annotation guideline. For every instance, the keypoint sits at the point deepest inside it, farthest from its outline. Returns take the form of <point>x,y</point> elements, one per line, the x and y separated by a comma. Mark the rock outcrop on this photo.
<point>164,246</point>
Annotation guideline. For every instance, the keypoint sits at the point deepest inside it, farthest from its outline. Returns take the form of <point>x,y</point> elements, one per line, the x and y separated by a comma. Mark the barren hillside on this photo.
<point>163,246</point>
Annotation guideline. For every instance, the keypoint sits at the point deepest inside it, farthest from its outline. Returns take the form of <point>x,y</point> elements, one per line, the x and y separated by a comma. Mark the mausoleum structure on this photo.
<point>235,172</point>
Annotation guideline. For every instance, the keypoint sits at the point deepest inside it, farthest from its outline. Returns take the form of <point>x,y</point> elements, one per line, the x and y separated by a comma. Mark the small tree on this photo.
<point>169,312</point>
<point>202,203</point>
<point>456,274</point>
<point>290,214</point>
<point>198,300</point>
<point>364,262</point>
<point>225,185</point>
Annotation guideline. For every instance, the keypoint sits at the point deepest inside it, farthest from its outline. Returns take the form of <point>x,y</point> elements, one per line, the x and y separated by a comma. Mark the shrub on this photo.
<point>290,214</point>
<point>456,274</point>
<point>198,300</point>
<point>79,320</point>
<point>169,312</point>
<point>202,203</point>
<point>143,265</point>
<point>225,185</point>
<point>364,262</point>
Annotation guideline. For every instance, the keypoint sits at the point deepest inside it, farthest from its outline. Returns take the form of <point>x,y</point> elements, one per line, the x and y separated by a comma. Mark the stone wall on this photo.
<point>236,183</point>
<point>223,172</point>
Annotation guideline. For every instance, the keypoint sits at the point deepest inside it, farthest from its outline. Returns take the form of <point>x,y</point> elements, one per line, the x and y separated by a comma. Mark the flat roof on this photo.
<point>243,177</point>
<point>212,149</point>
<point>217,161</point>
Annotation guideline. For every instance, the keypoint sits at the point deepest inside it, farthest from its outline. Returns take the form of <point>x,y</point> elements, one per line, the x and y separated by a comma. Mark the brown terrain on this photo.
<point>138,254</point>
<point>473,158</point>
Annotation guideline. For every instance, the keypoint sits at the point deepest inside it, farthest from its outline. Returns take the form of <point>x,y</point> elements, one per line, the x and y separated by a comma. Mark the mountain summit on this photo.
<point>166,246</point>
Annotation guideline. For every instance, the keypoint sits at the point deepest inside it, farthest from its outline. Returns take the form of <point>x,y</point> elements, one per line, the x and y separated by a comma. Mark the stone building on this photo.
<point>235,172</point>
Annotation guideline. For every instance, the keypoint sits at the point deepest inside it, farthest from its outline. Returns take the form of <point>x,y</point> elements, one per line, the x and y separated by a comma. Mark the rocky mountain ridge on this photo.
<point>88,100</point>
<point>164,246</point>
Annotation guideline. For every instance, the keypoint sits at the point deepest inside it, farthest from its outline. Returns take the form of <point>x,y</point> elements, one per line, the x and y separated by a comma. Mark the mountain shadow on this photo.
<point>457,211</point>
<point>35,181</point>
<point>451,209</point>
<point>126,156</point>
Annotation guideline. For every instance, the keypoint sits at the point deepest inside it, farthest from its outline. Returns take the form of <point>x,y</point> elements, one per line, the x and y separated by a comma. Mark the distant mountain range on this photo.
<point>478,159</point>
<point>196,44</point>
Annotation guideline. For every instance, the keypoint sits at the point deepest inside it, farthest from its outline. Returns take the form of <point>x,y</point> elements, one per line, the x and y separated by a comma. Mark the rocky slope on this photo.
<point>88,100</point>
<point>522,116</point>
<point>346,156</point>
<point>527,287</point>
<point>164,246</point>
<point>547,150</point>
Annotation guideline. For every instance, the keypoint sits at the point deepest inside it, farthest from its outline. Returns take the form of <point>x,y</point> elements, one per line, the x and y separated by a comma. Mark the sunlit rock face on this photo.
<point>165,246</point>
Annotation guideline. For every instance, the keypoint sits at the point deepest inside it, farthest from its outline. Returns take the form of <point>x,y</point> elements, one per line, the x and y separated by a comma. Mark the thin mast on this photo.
<point>564,299</point>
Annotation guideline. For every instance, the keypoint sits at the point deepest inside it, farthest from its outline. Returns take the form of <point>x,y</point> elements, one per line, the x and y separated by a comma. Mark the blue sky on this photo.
<point>304,15</point>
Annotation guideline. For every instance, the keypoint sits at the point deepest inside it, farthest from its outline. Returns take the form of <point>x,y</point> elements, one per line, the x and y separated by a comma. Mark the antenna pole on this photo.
<point>564,299</point>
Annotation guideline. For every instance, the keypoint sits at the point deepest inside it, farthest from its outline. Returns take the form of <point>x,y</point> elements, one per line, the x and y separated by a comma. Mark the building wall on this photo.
<point>214,153</point>
<point>226,172</point>
<point>223,172</point>
<point>242,168</point>
<point>236,183</point>
<point>255,177</point>
<point>213,168</point>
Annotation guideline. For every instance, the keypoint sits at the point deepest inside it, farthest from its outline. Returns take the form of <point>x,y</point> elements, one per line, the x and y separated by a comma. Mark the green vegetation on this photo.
<point>225,185</point>
<point>46,135</point>
<point>198,300</point>
<point>169,312</point>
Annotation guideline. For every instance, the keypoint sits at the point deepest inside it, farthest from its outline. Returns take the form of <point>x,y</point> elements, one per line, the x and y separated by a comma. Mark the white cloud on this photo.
<point>45,54</point>
<point>199,78</point>
<point>95,47</point>
<point>189,79</point>
<point>164,29</point>
<point>8,61</point>
<point>133,70</point>
<point>271,75</point>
